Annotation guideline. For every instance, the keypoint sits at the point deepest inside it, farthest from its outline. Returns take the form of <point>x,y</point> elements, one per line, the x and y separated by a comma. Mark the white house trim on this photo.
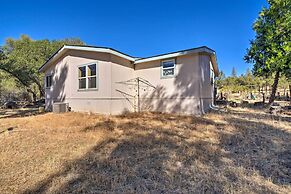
<point>172,55</point>
<point>101,50</point>
<point>135,60</point>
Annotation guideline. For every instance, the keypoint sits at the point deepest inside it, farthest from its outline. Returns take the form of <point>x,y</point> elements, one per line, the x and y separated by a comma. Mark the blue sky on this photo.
<point>140,28</point>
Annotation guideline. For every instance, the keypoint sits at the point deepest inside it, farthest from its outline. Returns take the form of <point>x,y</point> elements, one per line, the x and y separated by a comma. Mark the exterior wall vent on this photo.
<point>60,107</point>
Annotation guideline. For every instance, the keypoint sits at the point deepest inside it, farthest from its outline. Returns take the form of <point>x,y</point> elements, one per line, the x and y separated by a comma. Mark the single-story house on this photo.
<point>104,80</point>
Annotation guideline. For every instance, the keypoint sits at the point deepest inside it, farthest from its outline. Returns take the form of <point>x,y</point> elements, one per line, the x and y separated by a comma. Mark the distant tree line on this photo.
<point>250,83</point>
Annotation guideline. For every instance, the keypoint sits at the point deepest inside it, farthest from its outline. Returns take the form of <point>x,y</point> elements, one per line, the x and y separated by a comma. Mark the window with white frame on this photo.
<point>168,68</point>
<point>48,81</point>
<point>88,76</point>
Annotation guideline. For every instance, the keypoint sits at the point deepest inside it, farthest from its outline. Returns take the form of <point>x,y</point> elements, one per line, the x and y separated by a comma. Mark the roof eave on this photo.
<point>215,65</point>
<point>51,59</point>
<point>204,49</point>
<point>62,50</point>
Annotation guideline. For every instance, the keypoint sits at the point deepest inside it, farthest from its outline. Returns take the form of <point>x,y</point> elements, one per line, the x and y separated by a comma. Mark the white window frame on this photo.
<point>87,77</point>
<point>46,81</point>
<point>162,68</point>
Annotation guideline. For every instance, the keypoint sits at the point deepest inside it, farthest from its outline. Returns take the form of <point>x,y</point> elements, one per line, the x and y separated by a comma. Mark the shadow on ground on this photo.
<point>186,154</point>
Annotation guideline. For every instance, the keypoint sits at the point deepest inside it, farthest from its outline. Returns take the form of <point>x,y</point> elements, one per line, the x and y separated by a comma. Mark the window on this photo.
<point>92,76</point>
<point>82,77</point>
<point>88,76</point>
<point>168,68</point>
<point>48,81</point>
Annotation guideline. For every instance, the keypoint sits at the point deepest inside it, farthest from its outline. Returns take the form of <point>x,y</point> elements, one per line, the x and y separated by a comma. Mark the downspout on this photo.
<point>110,104</point>
<point>134,99</point>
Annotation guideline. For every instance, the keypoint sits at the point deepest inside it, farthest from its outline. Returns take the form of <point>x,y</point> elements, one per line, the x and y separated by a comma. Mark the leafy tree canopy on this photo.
<point>270,51</point>
<point>22,58</point>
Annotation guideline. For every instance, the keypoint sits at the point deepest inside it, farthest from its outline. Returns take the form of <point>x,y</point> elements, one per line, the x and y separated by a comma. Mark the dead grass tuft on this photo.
<point>239,151</point>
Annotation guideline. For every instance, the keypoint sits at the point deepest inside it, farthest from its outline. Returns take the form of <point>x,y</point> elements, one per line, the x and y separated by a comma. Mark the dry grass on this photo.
<point>239,151</point>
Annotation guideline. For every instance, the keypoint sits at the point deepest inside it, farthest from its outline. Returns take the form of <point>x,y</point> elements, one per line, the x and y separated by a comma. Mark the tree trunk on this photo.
<point>274,87</point>
<point>40,88</point>
<point>290,91</point>
<point>259,89</point>
<point>33,94</point>
<point>29,90</point>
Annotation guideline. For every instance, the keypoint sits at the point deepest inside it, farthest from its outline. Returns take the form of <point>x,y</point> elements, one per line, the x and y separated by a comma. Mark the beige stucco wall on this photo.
<point>105,99</point>
<point>189,92</point>
<point>60,88</point>
<point>121,71</point>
